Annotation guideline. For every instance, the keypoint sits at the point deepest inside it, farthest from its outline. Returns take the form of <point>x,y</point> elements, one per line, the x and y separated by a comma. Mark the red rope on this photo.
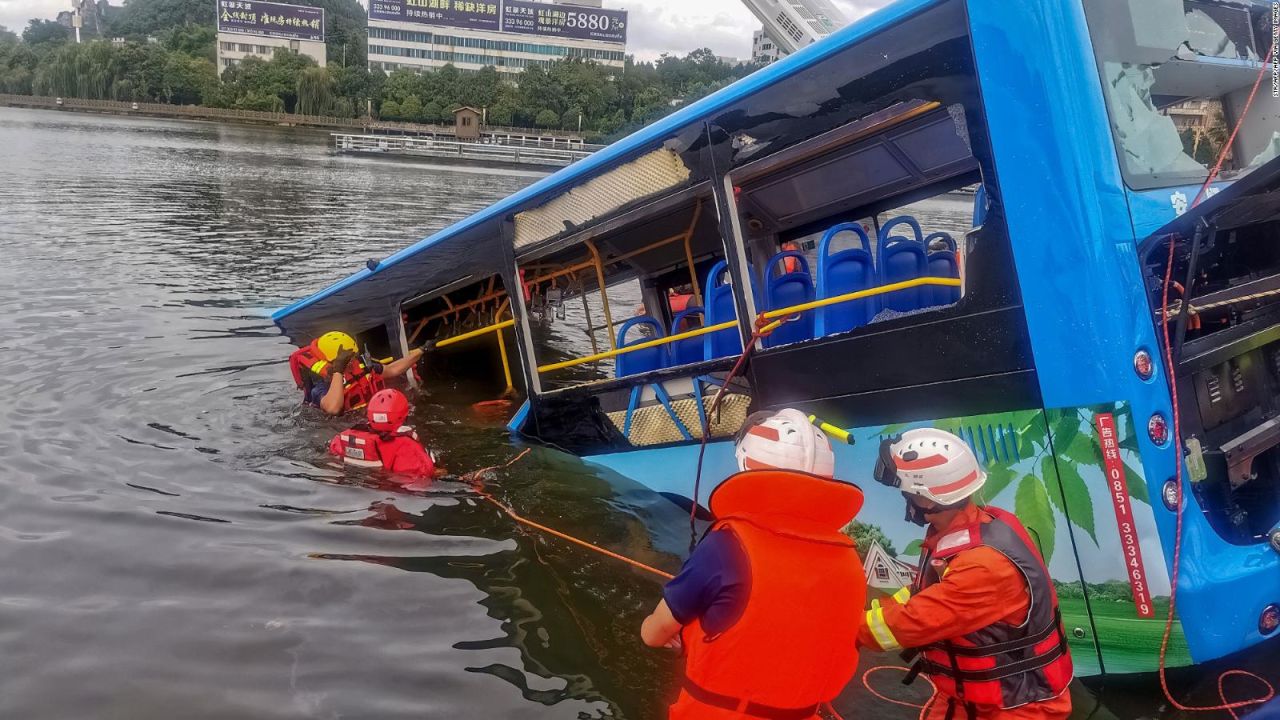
<point>1222,156</point>
<point>478,484</point>
<point>1177,542</point>
<point>763,328</point>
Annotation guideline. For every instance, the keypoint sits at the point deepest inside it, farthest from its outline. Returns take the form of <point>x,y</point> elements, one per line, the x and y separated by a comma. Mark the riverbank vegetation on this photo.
<point>164,51</point>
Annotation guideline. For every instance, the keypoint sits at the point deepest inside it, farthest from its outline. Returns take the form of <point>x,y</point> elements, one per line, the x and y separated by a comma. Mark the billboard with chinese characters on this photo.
<point>525,17</point>
<point>272,19</point>
<point>448,13</point>
<point>582,23</point>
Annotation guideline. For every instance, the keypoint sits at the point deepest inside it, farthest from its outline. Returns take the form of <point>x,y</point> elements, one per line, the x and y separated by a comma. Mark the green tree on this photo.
<point>195,40</point>
<point>864,535</point>
<point>187,79</point>
<point>7,36</point>
<point>431,112</point>
<point>45,31</point>
<point>260,101</point>
<point>546,119</point>
<point>411,109</point>
<point>315,90</point>
<point>141,18</point>
<point>389,110</point>
<point>502,113</point>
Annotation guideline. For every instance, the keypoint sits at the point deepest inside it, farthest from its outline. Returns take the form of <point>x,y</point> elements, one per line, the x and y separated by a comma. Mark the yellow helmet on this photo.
<point>330,344</point>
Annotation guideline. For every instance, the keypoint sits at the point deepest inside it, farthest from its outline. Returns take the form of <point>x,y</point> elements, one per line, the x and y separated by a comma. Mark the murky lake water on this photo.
<point>173,540</point>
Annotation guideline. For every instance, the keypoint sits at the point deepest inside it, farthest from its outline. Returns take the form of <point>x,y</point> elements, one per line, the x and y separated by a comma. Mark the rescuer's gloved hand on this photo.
<point>427,346</point>
<point>340,363</point>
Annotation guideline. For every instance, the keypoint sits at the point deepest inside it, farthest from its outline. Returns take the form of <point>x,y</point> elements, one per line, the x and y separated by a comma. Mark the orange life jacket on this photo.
<point>1002,665</point>
<point>795,645</point>
<point>307,363</point>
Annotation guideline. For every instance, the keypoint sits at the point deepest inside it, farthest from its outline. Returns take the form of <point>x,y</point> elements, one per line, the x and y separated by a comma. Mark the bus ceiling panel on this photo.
<point>648,176</point>
<point>922,152</point>
<point>376,300</point>
<point>572,240</point>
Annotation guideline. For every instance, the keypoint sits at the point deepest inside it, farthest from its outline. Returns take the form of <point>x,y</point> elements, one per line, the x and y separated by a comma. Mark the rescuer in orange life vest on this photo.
<point>767,605</point>
<point>982,615</point>
<point>384,442</point>
<point>333,377</point>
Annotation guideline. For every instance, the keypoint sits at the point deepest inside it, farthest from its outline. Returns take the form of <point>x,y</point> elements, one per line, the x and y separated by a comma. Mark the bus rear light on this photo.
<point>1158,429</point>
<point>1143,365</point>
<point>1270,619</point>
<point>1171,494</point>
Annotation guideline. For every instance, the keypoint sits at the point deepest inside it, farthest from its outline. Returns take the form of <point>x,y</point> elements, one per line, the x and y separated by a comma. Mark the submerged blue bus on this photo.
<point>1076,135</point>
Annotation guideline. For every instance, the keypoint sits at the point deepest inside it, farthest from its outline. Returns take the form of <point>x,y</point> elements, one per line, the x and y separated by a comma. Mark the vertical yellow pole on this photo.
<point>604,296</point>
<point>586,310</point>
<point>688,253</point>
<point>506,363</point>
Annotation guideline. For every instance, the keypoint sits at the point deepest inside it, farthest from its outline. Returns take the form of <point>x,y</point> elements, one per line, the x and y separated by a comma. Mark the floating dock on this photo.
<point>534,153</point>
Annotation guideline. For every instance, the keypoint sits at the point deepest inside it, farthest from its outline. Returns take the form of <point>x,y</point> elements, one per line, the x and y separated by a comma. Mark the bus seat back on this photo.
<point>788,289</point>
<point>684,352</point>
<point>640,361</point>
<point>902,259</point>
<point>841,273</point>
<point>943,262</point>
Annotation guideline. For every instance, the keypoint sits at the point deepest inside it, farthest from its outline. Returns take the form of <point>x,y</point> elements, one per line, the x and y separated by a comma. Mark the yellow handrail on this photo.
<point>771,315</point>
<point>476,333</point>
<point>859,295</point>
<point>638,346</point>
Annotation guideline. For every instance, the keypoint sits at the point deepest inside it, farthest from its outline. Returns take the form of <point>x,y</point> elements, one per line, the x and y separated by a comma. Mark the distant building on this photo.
<point>509,35</point>
<point>730,60</point>
<point>886,572</point>
<point>763,49</point>
<point>251,28</point>
<point>793,24</point>
<point>1198,113</point>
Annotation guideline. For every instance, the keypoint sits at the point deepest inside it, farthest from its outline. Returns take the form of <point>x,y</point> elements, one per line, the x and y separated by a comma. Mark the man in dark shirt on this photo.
<point>767,606</point>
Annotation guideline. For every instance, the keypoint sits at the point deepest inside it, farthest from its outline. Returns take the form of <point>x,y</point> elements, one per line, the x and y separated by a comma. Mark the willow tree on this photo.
<point>315,89</point>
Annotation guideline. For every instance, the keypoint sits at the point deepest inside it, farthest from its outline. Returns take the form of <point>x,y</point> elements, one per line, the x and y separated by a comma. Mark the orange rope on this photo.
<point>1269,690</point>
<point>867,684</point>
<point>475,479</point>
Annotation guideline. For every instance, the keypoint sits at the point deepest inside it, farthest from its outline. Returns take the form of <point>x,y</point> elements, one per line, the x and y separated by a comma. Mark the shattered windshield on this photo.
<point>1176,75</point>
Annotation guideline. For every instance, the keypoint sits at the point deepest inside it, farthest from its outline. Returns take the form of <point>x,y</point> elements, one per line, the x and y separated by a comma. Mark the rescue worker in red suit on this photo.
<point>385,443</point>
<point>981,619</point>
<point>761,604</point>
<point>333,377</point>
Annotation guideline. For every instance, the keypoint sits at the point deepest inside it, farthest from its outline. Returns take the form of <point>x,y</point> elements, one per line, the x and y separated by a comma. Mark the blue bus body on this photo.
<point>1073,227</point>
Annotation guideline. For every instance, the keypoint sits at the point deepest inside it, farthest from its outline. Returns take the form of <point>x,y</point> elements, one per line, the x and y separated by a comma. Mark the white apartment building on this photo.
<point>510,35</point>
<point>763,49</point>
<point>793,24</point>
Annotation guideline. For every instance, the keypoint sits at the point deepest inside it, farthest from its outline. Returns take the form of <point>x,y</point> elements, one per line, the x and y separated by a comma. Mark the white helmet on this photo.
<point>784,440</point>
<point>931,463</point>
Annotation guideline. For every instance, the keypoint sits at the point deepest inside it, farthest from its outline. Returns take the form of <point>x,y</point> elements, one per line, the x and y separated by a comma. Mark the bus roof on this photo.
<point>294,318</point>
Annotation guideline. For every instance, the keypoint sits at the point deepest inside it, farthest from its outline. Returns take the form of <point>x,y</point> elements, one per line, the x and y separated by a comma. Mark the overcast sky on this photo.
<point>657,26</point>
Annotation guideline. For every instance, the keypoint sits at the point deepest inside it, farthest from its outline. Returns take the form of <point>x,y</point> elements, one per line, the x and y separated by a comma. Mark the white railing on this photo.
<point>471,151</point>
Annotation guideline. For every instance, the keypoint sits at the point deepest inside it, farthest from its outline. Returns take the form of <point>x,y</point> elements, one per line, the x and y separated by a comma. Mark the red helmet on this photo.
<point>387,411</point>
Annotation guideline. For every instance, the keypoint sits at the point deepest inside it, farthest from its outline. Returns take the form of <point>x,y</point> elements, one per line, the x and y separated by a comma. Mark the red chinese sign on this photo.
<point>1118,489</point>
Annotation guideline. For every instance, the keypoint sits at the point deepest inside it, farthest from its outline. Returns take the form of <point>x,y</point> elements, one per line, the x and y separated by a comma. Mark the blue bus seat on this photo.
<point>787,290</point>
<point>842,273</point>
<point>943,263</point>
<point>684,352</point>
<point>640,361</point>
<point>902,259</point>
<point>717,296</point>
<point>980,206</point>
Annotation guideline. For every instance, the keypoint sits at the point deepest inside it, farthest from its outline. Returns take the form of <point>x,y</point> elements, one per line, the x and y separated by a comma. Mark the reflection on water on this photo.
<point>175,541</point>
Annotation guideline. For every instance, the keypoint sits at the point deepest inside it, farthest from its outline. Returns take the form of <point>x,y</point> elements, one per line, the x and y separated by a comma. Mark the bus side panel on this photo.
<point>1014,449</point>
<point>1107,504</point>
